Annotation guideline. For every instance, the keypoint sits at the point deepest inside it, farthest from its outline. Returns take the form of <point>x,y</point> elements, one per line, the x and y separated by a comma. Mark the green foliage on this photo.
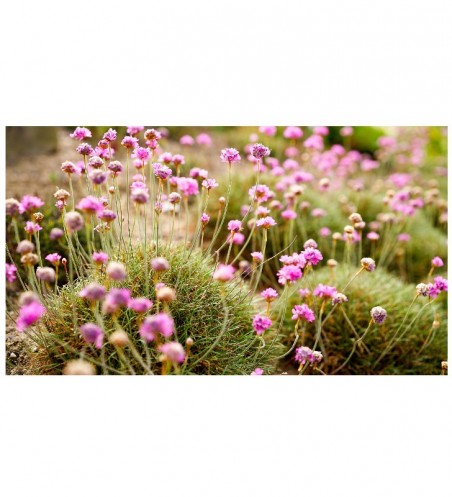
<point>369,290</point>
<point>198,313</point>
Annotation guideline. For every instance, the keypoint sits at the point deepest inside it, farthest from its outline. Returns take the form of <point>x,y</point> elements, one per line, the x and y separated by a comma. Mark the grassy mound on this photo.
<point>366,291</point>
<point>224,341</point>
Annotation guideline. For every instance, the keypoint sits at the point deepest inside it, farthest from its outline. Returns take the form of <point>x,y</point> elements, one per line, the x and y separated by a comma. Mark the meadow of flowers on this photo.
<point>251,251</point>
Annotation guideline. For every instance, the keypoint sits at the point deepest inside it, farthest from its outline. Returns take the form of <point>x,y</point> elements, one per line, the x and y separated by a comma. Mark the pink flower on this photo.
<point>224,273</point>
<point>305,354</point>
<point>178,160</point>
<point>10,272</point>
<point>437,262</point>
<point>404,237</point>
<point>234,226</point>
<point>142,153</point>
<point>116,271</point>
<point>30,203</point>
<point>346,131</point>
<point>237,238</point>
<point>29,314</point>
<point>54,258</point>
<point>289,273</point>
<point>173,351</point>
<point>134,130</point>
<point>100,258</point>
<point>161,323</point>
<point>188,186</point>
<point>93,292</point>
<point>259,151</point>
<point>129,142</point>
<point>140,305</point>
<point>321,130</point>
<point>324,291</point>
<point>209,184</point>
<point>312,255</point>
<point>110,135</point>
<point>261,323</point>
<point>318,212</point>
<point>269,294</point>
<point>303,312</point>
<point>373,236</point>
<point>230,155</point>
<point>84,149</point>
<point>92,334</point>
<point>257,256</point>
<point>161,171</point>
<point>304,292</point>
<point>90,205</point>
<point>324,232</point>
<point>265,222</point>
<point>257,372</point>
<point>293,132</point>
<point>187,140</point>
<point>205,218</point>
<point>31,227</point>
<point>204,139</point>
<point>81,133</point>
<point>268,130</point>
<point>288,214</point>
<point>260,193</point>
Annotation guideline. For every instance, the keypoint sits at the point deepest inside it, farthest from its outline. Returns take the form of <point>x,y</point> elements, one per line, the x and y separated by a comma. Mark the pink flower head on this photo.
<point>178,160</point>
<point>90,205</point>
<point>257,372</point>
<point>265,222</point>
<point>261,323</point>
<point>318,212</point>
<point>440,285</point>
<point>373,236</point>
<point>205,218</point>
<point>288,214</point>
<point>314,142</point>
<point>173,351</point>
<point>289,273</point>
<point>196,172</point>
<point>257,256</point>
<point>209,184</point>
<point>236,239</point>
<point>305,354</point>
<point>346,131</point>
<point>269,294</point>
<point>268,130</point>
<point>166,158</point>
<point>437,262</point>
<point>324,232</point>
<point>93,292</point>
<point>324,291</point>
<point>115,167</point>
<point>404,237</point>
<point>142,153</point>
<point>84,149</point>
<point>235,226</point>
<point>116,271</point>
<point>81,133</point>
<point>260,193</point>
<point>187,140</point>
<point>140,305</point>
<point>224,273</point>
<point>110,135</point>
<point>92,334</point>
<point>107,215</point>
<point>69,167</point>
<point>31,227</point>
<point>54,258</point>
<point>56,233</point>
<point>29,314</point>
<point>100,258</point>
<point>293,133</point>
<point>134,130</point>
<point>259,151</point>
<point>321,130</point>
<point>304,292</point>
<point>161,171</point>
<point>312,255</point>
<point>204,139</point>
<point>161,323</point>
<point>30,203</point>
<point>188,186</point>
<point>11,271</point>
<point>129,142</point>
<point>230,155</point>
<point>304,312</point>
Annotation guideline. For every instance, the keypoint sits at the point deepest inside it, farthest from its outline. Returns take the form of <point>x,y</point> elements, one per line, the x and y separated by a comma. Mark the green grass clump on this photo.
<point>366,291</point>
<point>224,341</point>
